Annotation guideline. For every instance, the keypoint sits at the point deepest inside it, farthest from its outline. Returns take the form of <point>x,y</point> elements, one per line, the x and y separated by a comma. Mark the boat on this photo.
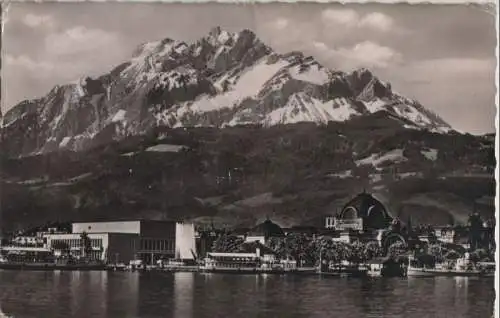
<point>488,268</point>
<point>385,267</point>
<point>116,267</point>
<point>244,263</point>
<point>460,267</point>
<point>344,270</point>
<point>304,271</point>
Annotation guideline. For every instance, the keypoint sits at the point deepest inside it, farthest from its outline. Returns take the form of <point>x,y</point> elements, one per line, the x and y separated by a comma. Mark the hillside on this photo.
<point>226,130</point>
<point>295,173</point>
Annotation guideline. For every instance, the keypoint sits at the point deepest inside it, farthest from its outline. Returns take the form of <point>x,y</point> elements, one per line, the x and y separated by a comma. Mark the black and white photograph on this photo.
<point>281,159</point>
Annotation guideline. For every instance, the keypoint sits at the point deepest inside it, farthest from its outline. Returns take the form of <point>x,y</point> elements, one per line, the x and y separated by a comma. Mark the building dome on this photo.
<point>372,211</point>
<point>267,229</point>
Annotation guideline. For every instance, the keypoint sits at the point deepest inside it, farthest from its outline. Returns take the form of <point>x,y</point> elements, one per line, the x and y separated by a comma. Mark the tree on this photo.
<point>299,247</point>
<point>333,252</point>
<point>372,250</point>
<point>357,253</point>
<point>397,249</point>
<point>85,244</point>
<point>451,255</point>
<point>475,224</point>
<point>227,244</point>
<point>436,251</point>
<point>481,255</point>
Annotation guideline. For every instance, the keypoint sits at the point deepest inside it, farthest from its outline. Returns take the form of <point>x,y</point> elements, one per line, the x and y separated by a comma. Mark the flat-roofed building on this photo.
<point>105,247</point>
<point>122,241</point>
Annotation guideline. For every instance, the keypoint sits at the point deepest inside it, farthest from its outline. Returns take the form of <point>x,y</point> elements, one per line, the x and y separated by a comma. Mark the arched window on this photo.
<point>375,217</point>
<point>349,213</point>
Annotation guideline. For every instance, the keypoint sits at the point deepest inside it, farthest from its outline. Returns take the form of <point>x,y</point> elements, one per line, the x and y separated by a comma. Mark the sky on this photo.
<point>441,55</point>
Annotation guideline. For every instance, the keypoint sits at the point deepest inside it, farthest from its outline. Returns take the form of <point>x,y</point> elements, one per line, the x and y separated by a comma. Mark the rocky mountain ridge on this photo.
<point>223,79</point>
<point>297,174</point>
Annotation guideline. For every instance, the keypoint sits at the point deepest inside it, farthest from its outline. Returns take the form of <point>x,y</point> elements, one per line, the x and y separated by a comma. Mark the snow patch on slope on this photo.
<point>375,105</point>
<point>341,175</point>
<point>430,154</point>
<point>119,116</point>
<point>165,148</point>
<point>394,156</point>
<point>249,85</point>
<point>64,142</point>
<point>314,74</point>
<point>303,108</point>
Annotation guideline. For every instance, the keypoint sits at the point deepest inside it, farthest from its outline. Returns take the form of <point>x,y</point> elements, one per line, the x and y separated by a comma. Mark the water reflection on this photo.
<point>185,295</point>
<point>122,294</point>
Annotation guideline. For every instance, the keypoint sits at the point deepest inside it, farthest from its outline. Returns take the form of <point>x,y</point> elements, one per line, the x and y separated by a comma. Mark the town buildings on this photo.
<point>120,241</point>
<point>363,218</point>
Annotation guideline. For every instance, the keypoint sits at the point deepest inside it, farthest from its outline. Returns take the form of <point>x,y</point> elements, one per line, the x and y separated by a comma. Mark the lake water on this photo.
<point>184,295</point>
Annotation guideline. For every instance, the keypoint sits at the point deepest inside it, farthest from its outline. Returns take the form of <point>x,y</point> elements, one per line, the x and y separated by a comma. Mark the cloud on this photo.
<point>364,54</point>
<point>63,56</point>
<point>352,19</point>
<point>27,64</point>
<point>378,21</point>
<point>446,67</point>
<point>320,46</point>
<point>35,21</point>
<point>344,17</point>
<point>280,23</point>
<point>79,40</point>
<point>461,90</point>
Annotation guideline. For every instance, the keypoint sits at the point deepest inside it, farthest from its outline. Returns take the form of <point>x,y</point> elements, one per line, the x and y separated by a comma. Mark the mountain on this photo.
<point>225,130</point>
<point>236,176</point>
<point>223,79</point>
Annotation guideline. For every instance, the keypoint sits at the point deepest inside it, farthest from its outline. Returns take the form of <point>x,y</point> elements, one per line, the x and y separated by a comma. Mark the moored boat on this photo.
<point>385,267</point>
<point>460,267</point>
<point>344,270</point>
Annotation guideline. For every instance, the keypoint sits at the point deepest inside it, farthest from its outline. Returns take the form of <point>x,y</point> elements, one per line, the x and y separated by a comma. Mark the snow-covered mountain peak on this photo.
<point>217,37</point>
<point>223,79</point>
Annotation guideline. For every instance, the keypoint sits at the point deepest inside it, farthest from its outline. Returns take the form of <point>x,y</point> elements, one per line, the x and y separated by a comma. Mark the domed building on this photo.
<point>363,212</point>
<point>264,231</point>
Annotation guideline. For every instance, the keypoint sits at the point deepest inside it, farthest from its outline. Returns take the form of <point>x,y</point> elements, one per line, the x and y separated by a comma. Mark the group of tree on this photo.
<point>310,251</point>
<point>306,250</point>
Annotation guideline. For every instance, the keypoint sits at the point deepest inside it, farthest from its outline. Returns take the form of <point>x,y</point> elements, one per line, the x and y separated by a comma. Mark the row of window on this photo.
<point>153,245</point>
<point>156,245</point>
<point>233,265</point>
<point>75,243</point>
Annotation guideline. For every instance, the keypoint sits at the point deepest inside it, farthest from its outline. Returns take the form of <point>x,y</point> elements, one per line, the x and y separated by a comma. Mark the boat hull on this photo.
<point>345,273</point>
<point>241,270</point>
<point>413,272</point>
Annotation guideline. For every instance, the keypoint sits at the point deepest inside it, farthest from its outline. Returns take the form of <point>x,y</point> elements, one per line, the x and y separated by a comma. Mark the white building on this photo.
<point>28,240</point>
<point>446,235</point>
<point>106,247</point>
<point>123,241</point>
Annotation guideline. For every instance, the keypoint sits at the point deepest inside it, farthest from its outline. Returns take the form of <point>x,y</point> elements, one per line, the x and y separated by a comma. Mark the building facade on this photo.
<point>362,213</point>
<point>105,247</point>
<point>123,241</point>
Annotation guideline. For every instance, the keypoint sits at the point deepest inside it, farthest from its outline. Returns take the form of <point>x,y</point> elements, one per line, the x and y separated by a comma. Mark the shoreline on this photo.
<point>247,271</point>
